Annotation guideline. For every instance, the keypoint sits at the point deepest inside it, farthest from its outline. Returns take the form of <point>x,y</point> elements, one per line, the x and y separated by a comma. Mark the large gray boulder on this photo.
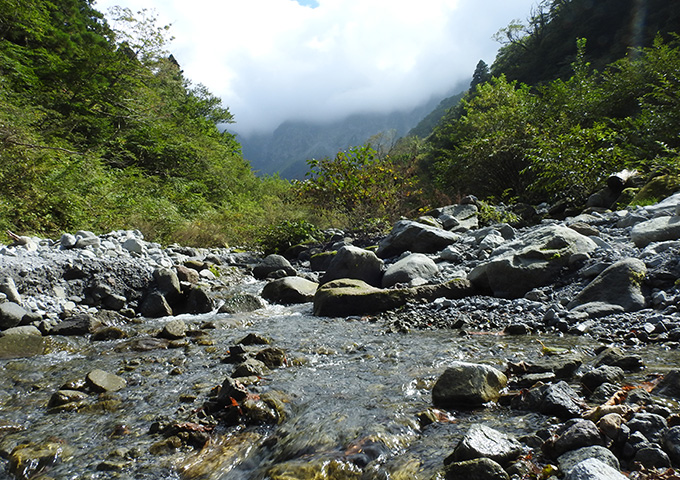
<point>9,288</point>
<point>347,296</point>
<point>290,290</point>
<point>594,469</point>
<point>618,285</point>
<point>357,263</point>
<point>10,315</point>
<point>273,263</point>
<point>656,230</point>
<point>532,260</point>
<point>468,385</point>
<point>408,235</point>
<point>481,441</point>
<point>570,459</point>
<point>414,268</point>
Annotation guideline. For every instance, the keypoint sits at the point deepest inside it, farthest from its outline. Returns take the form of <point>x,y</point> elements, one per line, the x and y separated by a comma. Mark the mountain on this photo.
<point>286,149</point>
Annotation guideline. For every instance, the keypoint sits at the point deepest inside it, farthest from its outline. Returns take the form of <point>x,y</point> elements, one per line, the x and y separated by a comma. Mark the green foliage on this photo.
<point>288,233</point>
<point>361,184</point>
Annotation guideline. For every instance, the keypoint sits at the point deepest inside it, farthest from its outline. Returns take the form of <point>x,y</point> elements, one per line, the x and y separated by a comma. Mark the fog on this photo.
<point>276,60</point>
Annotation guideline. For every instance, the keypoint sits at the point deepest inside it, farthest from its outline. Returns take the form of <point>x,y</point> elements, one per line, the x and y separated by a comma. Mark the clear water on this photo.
<point>351,387</point>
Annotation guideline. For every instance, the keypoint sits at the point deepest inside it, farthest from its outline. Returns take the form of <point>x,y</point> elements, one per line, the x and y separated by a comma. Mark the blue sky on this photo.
<point>273,60</point>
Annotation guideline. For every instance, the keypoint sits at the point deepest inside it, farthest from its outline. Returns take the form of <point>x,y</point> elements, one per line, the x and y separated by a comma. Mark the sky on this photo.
<point>322,60</point>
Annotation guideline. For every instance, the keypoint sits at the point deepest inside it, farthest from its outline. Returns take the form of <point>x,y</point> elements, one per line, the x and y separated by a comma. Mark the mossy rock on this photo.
<point>656,190</point>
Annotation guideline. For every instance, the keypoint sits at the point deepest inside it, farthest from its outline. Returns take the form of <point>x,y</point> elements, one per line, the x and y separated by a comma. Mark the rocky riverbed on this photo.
<point>447,349</point>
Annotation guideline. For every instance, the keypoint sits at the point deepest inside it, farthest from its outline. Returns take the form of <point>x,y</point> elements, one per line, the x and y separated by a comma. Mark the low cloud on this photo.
<point>273,60</point>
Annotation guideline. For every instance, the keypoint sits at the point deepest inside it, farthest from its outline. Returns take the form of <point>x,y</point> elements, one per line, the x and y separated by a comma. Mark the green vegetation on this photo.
<point>100,130</point>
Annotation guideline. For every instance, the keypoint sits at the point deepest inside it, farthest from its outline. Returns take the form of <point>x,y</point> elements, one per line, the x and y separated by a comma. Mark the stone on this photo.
<point>29,460</point>
<point>651,425</point>
<point>458,218</point>
<point>570,459</point>
<point>656,230</point>
<point>87,239</point>
<point>167,282</point>
<point>347,297</point>
<point>198,301</point>
<point>114,302</point>
<point>101,381</point>
<point>67,241</point>
<point>186,274</point>
<point>557,399</point>
<point>319,262</point>
<point>477,469</point>
<point>10,315</point>
<point>134,245</point>
<point>652,457</point>
<point>174,330</point>
<point>669,386</point>
<point>614,356</point>
<point>290,290</point>
<point>355,263</point>
<point>604,373</point>
<point>610,425</point>
<point>250,367</point>
<point>671,443</point>
<point>468,385</point>
<point>61,398</point>
<point>272,357</point>
<point>619,285</point>
<point>577,433</point>
<point>155,305</point>
<point>81,324</point>
<point>22,330</point>
<point>594,469</point>
<point>270,264</point>
<point>481,441</point>
<point>412,268</point>
<point>9,288</point>
<point>531,260</point>
<point>242,303</point>
<point>408,235</point>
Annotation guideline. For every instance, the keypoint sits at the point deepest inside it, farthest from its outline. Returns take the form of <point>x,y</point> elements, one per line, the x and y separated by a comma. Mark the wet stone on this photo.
<point>101,381</point>
<point>479,469</point>
<point>604,373</point>
<point>576,434</point>
<point>249,368</point>
<point>468,385</point>
<point>482,441</point>
<point>174,330</point>
<point>272,357</point>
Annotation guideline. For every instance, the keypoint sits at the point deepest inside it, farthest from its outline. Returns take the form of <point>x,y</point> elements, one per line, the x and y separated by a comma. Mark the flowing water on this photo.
<point>353,394</point>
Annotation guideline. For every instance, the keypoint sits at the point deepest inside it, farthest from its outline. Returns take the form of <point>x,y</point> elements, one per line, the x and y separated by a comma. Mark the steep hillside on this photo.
<point>286,150</point>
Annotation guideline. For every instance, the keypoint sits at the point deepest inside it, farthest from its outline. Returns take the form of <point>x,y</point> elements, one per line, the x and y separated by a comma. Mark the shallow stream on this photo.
<point>353,394</point>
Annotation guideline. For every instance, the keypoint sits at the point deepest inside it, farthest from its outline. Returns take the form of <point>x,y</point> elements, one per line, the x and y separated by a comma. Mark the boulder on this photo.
<point>531,260</point>
<point>669,385</point>
<point>242,303</point>
<point>651,425</point>
<point>174,330</point>
<point>408,235</point>
<point>575,434</point>
<point>353,297</point>
<point>594,469</point>
<point>22,330</point>
<point>289,290</point>
<point>411,269</point>
<point>671,443</point>
<point>357,263</point>
<point>9,288</point>
<point>618,285</point>
<point>481,441</point>
<point>604,373</point>
<point>81,324</point>
<point>477,469</point>
<point>468,385</point>
<point>271,264</point>
<point>557,399</point>
<point>346,297</point>
<point>457,218</point>
<point>655,230</point>
<point>198,301</point>
<point>155,305</point>
<point>570,459</point>
<point>168,283</point>
<point>10,315</point>
<point>21,346</point>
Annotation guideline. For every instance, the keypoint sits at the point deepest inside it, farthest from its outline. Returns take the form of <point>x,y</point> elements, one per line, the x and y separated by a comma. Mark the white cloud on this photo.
<point>272,60</point>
